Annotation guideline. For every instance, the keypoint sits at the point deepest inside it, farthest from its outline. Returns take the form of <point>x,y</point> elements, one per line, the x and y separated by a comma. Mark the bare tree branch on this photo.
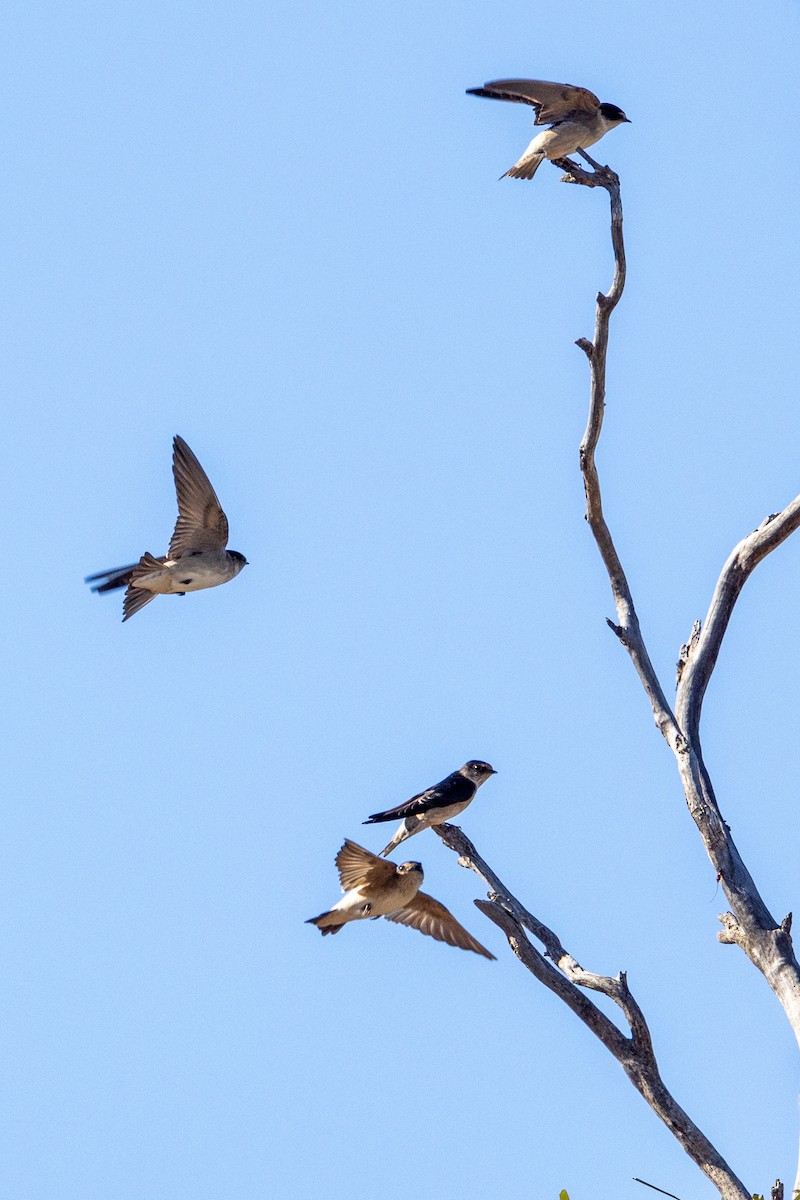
<point>750,924</point>
<point>703,656</point>
<point>564,976</point>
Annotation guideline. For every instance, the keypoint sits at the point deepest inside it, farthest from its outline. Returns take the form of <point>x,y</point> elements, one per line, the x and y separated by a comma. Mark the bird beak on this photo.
<point>627,121</point>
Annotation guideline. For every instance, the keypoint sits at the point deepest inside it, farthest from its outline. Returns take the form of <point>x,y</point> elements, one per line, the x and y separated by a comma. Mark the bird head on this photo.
<point>477,770</point>
<point>612,115</point>
<point>411,868</point>
<point>239,560</point>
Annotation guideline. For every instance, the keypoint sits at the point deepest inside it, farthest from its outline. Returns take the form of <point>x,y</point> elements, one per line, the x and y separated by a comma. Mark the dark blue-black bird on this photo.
<point>438,804</point>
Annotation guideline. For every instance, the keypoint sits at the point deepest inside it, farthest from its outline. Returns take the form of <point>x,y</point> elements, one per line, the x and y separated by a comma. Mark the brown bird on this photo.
<point>576,118</point>
<point>196,558</point>
<point>374,887</point>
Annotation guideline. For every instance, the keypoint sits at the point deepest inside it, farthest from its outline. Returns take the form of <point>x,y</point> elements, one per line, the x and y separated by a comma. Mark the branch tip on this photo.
<point>687,650</point>
<point>617,630</point>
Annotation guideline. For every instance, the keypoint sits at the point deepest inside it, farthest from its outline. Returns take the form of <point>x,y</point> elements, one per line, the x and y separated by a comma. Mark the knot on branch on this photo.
<point>687,650</point>
<point>730,934</point>
<point>599,176</point>
<point>783,936</point>
<point>586,346</point>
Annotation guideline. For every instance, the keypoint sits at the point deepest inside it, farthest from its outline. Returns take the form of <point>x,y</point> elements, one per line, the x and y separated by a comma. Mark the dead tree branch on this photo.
<point>563,975</point>
<point>749,924</point>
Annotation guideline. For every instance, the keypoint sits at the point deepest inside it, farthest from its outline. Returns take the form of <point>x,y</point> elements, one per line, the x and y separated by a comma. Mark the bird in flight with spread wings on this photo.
<point>196,558</point>
<point>374,887</point>
<point>576,117</point>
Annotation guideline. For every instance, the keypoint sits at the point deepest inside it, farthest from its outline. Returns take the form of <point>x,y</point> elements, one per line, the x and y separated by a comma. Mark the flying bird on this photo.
<point>438,804</point>
<point>576,118</point>
<point>196,558</point>
<point>375,888</point>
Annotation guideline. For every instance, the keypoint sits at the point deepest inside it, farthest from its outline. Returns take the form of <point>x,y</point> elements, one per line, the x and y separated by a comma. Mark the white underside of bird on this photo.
<point>565,138</point>
<point>189,573</point>
<point>356,906</point>
<point>415,824</point>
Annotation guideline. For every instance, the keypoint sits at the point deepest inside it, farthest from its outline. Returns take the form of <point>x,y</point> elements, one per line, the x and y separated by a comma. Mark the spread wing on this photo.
<point>201,525</point>
<point>432,918</point>
<point>552,101</point>
<point>356,866</point>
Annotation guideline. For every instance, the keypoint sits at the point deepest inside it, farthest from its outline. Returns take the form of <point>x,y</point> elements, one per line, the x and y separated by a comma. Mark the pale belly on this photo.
<point>440,815</point>
<point>184,575</point>
<point>565,139</point>
<point>351,905</point>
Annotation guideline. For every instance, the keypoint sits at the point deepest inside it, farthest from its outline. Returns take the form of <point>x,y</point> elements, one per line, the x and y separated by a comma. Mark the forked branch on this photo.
<point>563,975</point>
<point>749,924</point>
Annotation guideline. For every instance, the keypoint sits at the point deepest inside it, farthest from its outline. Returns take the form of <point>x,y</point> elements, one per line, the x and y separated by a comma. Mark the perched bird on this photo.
<point>375,888</point>
<point>438,804</point>
<point>576,118</point>
<point>196,558</point>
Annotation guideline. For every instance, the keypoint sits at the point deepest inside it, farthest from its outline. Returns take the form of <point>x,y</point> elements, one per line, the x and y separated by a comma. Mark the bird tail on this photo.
<point>324,923</point>
<point>117,577</point>
<point>526,168</point>
<point>400,836</point>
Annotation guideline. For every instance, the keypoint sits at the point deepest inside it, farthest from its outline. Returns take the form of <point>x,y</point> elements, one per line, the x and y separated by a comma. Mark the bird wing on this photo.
<point>357,867</point>
<point>409,808</point>
<point>432,918</point>
<point>552,101</point>
<point>135,599</point>
<point>455,789</point>
<point>201,524</point>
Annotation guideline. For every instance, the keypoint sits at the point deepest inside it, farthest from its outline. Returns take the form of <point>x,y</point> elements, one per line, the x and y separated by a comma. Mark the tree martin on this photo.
<point>576,118</point>
<point>438,804</point>
<point>196,558</point>
<point>375,888</point>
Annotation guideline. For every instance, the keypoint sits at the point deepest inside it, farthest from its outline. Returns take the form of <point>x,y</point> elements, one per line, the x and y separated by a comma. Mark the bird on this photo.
<point>576,118</point>
<point>438,804</point>
<point>375,888</point>
<point>196,558</point>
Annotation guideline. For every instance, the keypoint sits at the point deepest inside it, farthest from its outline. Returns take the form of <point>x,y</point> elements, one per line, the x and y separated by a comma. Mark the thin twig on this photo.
<point>655,1189</point>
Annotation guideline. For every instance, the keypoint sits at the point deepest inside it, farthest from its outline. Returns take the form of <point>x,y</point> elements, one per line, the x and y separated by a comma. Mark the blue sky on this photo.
<point>279,232</point>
